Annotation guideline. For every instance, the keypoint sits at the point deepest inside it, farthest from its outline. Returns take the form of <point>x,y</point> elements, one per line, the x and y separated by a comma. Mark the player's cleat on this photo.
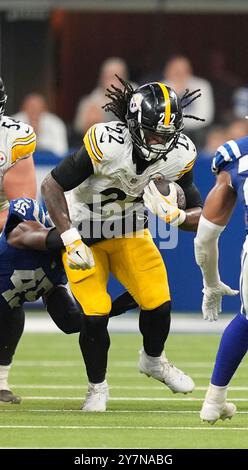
<point>96,397</point>
<point>160,369</point>
<point>6,396</point>
<point>211,412</point>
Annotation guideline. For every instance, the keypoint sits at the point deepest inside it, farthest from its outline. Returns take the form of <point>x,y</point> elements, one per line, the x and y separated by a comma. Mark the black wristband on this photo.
<point>54,241</point>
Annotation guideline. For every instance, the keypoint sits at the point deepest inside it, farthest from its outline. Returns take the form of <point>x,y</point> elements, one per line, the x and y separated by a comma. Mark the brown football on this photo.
<point>163,186</point>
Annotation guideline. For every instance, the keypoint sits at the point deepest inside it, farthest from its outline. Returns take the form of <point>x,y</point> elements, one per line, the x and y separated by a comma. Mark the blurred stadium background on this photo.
<point>56,48</point>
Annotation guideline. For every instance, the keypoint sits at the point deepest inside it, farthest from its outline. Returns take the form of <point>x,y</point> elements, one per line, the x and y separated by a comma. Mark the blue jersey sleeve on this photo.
<point>230,151</point>
<point>27,209</point>
<point>23,209</point>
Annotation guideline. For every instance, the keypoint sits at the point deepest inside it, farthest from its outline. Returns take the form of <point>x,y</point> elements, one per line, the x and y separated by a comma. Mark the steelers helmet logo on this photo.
<point>135,102</point>
<point>3,159</point>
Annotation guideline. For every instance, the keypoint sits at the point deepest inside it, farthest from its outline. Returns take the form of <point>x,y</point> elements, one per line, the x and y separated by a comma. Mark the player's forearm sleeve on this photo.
<point>206,251</point>
<point>73,170</point>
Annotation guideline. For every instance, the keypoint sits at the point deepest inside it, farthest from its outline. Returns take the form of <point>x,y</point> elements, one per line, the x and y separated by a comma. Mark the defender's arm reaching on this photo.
<point>216,214</point>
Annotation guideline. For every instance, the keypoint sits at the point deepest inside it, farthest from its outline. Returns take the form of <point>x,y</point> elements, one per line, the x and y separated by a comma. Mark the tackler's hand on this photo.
<point>212,300</point>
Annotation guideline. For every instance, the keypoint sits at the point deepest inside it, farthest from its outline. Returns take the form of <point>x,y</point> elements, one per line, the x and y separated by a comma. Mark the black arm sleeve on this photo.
<point>73,170</point>
<point>192,193</point>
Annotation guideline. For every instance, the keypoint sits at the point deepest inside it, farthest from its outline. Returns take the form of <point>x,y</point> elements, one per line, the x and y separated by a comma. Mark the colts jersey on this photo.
<point>233,158</point>
<point>26,274</point>
<point>17,141</point>
<point>114,192</point>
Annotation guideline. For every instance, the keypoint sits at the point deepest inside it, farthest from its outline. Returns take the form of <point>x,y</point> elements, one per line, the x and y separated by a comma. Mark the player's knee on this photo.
<point>154,299</point>
<point>11,329</point>
<point>158,318</point>
<point>64,311</point>
<point>163,310</point>
<point>72,327</point>
<point>97,305</point>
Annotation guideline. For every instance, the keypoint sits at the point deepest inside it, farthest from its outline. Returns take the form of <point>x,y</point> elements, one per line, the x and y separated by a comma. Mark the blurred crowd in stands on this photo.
<point>223,105</point>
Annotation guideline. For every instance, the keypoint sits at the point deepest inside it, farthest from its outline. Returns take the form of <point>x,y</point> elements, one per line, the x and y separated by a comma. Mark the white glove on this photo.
<point>212,300</point>
<point>164,207</point>
<point>79,256</point>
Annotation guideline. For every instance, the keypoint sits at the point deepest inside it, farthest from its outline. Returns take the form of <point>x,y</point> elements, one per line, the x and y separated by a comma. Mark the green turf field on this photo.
<point>142,413</point>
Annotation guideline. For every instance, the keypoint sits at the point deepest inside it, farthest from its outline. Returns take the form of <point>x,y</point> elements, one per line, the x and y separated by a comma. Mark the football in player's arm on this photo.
<point>117,162</point>
<point>230,165</point>
<point>17,172</point>
<point>165,207</point>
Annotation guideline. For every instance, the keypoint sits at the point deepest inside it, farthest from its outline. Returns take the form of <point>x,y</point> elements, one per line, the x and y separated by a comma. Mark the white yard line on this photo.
<point>119,375</point>
<point>145,428</point>
<point>126,398</point>
<point>114,387</point>
<point>57,363</point>
<point>61,411</point>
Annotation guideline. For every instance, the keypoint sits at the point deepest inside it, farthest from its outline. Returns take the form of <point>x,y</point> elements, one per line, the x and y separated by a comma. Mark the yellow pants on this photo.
<point>135,262</point>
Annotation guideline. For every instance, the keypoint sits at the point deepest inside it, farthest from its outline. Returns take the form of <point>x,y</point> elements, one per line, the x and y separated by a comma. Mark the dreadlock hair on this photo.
<point>187,99</point>
<point>119,99</point>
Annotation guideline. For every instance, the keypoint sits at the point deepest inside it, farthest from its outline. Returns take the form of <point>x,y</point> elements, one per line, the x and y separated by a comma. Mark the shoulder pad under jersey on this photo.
<point>19,138</point>
<point>106,141</point>
<point>185,155</point>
